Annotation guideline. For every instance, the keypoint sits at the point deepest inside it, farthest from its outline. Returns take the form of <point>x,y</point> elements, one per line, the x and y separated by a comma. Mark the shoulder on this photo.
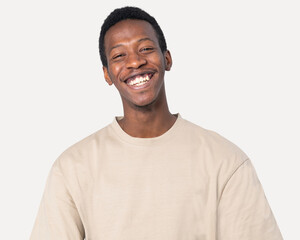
<point>219,157</point>
<point>82,152</point>
<point>213,140</point>
<point>216,148</point>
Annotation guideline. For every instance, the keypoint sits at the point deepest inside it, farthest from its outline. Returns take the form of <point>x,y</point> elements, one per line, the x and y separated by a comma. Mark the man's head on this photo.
<point>124,13</point>
<point>135,57</point>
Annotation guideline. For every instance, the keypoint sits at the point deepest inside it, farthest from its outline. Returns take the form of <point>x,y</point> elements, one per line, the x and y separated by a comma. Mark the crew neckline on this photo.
<point>145,141</point>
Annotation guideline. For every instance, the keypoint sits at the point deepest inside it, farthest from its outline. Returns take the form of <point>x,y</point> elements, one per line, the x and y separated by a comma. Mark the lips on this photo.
<point>138,81</point>
<point>139,77</point>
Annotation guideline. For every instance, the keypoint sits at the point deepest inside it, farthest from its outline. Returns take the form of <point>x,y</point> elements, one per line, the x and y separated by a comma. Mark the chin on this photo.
<point>144,104</point>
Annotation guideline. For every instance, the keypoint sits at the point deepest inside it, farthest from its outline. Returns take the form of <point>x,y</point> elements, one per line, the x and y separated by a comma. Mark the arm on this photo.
<point>57,217</point>
<point>243,211</point>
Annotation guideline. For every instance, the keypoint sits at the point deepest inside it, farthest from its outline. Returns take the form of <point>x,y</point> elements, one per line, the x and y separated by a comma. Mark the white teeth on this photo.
<point>139,84</point>
<point>139,80</point>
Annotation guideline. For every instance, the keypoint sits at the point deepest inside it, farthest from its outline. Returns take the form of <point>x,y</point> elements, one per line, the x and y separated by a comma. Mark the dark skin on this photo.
<point>132,49</point>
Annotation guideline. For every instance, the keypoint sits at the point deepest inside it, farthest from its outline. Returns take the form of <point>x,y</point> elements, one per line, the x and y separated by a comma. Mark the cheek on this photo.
<point>114,71</point>
<point>158,60</point>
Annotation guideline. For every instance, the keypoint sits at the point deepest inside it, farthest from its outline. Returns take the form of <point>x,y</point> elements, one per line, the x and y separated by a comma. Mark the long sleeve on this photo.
<point>243,211</point>
<point>57,217</point>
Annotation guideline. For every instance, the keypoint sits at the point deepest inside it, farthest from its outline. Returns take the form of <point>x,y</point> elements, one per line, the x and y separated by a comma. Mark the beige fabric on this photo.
<point>187,184</point>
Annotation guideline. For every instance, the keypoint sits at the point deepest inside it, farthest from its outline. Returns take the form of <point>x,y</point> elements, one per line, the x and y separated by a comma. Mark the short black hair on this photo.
<point>124,13</point>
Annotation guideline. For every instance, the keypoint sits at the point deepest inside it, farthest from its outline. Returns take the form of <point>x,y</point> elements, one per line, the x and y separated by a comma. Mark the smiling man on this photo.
<point>150,174</point>
<point>135,59</point>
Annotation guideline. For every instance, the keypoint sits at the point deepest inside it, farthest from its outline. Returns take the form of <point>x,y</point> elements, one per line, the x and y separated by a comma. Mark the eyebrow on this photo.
<point>116,46</point>
<point>145,39</point>
<point>140,40</point>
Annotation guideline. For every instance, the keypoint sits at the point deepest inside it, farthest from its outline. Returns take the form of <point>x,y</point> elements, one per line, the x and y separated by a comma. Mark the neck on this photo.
<point>147,121</point>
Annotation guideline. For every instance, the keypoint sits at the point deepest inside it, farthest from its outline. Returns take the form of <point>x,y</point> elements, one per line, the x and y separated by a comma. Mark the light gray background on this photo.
<point>235,71</point>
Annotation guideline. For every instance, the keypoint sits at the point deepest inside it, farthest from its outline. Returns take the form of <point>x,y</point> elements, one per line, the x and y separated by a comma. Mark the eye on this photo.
<point>118,56</point>
<point>146,49</point>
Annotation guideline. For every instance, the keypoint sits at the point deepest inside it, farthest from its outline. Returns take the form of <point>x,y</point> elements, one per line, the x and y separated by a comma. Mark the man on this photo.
<point>150,174</point>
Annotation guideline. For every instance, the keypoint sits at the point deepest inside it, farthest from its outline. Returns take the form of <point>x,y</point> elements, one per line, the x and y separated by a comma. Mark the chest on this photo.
<point>151,197</point>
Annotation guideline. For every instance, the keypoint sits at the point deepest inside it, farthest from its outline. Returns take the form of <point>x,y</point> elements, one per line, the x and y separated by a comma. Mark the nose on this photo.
<point>134,60</point>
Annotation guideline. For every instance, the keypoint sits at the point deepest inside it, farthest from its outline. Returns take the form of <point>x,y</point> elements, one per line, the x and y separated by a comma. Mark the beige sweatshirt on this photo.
<point>187,184</point>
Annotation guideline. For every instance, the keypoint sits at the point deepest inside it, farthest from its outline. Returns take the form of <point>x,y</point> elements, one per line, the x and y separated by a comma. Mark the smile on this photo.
<point>139,80</point>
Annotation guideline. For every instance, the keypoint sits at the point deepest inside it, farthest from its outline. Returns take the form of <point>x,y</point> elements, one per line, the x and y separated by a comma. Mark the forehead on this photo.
<point>129,30</point>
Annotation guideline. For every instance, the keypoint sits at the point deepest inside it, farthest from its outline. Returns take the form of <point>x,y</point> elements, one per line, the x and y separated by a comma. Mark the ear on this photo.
<point>106,75</point>
<point>168,60</point>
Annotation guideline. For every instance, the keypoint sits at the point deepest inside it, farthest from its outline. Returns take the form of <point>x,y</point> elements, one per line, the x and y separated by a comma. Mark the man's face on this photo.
<point>135,62</point>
